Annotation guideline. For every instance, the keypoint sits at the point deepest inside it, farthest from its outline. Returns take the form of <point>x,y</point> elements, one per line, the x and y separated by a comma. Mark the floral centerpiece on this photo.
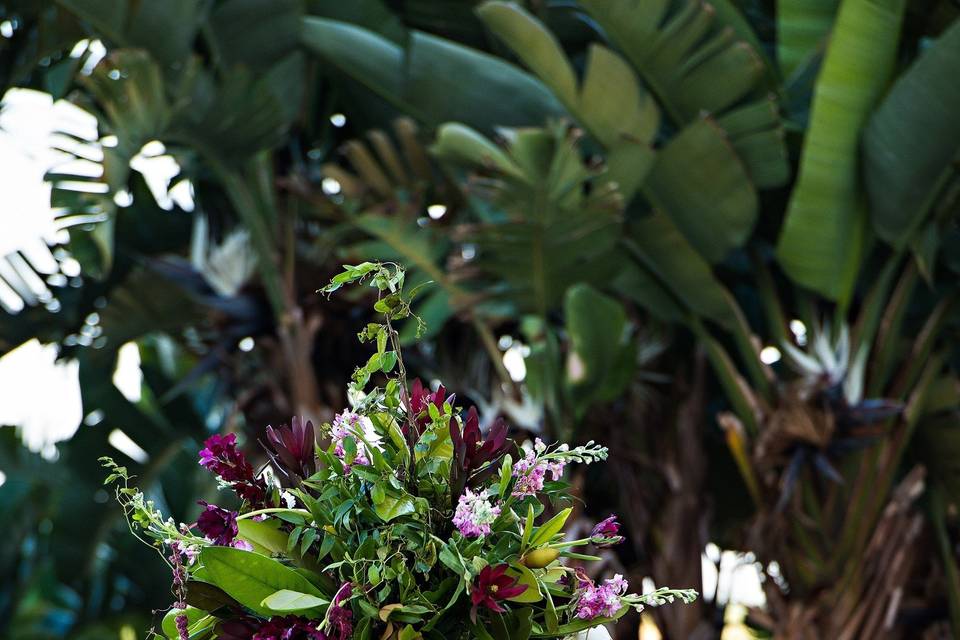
<point>409,521</point>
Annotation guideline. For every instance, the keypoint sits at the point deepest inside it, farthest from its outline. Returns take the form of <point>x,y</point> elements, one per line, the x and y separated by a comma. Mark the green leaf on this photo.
<point>701,57</point>
<point>198,621</point>
<point>287,601</point>
<point>597,325</point>
<point>250,577</point>
<point>527,528</point>
<point>610,103</point>
<point>390,505</point>
<point>913,139</point>
<point>555,231</point>
<point>802,26</point>
<point>525,576</point>
<point>718,215</point>
<point>425,78</point>
<point>659,246</point>
<point>545,532</point>
<point>265,536</point>
<point>820,243</point>
<point>255,33</point>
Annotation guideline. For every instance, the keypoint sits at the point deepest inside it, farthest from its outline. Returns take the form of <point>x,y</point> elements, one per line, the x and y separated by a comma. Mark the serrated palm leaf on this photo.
<point>698,57</point>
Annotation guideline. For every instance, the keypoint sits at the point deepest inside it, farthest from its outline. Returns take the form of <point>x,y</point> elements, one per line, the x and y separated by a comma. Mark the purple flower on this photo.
<point>294,447</point>
<point>603,600</point>
<point>289,628</point>
<point>183,626</point>
<point>340,617</point>
<point>475,514</point>
<point>343,424</point>
<point>491,586</point>
<point>531,471</point>
<point>221,456</point>
<point>606,533</point>
<point>219,526</point>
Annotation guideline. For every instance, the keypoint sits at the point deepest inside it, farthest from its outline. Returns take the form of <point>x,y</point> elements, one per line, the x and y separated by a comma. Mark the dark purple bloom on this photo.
<point>420,401</point>
<point>217,525</point>
<point>340,617</point>
<point>254,492</point>
<point>183,627</point>
<point>294,447</point>
<point>221,456</point>
<point>475,458</point>
<point>492,585</point>
<point>606,533</point>
<point>237,629</point>
<point>289,628</point>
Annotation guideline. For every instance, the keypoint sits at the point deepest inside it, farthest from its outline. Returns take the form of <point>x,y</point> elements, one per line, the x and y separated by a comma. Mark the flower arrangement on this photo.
<point>409,521</point>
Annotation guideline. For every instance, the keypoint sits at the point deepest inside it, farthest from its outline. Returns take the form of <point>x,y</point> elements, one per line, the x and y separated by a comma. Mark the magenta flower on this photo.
<point>606,533</point>
<point>602,600</point>
<point>218,525</point>
<point>221,456</point>
<point>293,447</point>
<point>493,585</point>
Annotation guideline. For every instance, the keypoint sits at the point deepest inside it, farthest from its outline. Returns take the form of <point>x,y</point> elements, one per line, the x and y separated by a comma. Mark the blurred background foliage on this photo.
<point>719,236</point>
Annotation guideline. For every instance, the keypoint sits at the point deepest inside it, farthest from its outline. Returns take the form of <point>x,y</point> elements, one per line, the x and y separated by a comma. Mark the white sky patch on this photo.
<point>128,377</point>
<point>124,444</point>
<point>39,395</point>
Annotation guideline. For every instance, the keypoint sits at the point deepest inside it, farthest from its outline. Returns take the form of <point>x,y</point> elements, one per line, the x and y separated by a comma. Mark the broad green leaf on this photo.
<point>255,33</point>
<point>525,576</point>
<point>425,79</point>
<point>662,249</point>
<point>250,577</point>
<point>636,283</point>
<point>717,215</point>
<point>802,26</point>
<point>819,245</point>
<point>390,506</point>
<point>689,60</point>
<point>165,29</point>
<point>912,142</point>
<point>198,621</point>
<point>265,536</point>
<point>545,532</point>
<point>601,351</point>
<point>287,601</point>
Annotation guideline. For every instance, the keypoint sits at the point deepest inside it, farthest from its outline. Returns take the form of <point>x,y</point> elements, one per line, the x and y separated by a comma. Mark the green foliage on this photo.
<point>910,145</point>
<point>823,239</point>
